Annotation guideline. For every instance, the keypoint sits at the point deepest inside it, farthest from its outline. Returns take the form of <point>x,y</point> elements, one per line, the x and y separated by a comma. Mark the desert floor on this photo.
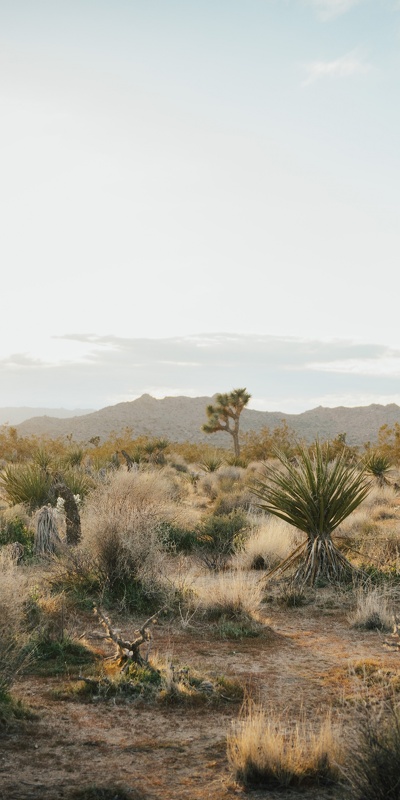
<point>309,659</point>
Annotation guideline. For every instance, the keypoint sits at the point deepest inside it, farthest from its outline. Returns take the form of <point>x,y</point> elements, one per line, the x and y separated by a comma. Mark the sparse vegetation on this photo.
<point>169,533</point>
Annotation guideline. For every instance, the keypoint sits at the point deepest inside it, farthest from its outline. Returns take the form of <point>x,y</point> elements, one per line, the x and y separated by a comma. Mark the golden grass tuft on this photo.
<point>270,541</point>
<point>235,594</point>
<point>266,751</point>
<point>374,611</point>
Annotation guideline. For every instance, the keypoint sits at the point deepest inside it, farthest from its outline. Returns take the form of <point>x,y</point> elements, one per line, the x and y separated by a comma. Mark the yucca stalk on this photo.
<point>315,495</point>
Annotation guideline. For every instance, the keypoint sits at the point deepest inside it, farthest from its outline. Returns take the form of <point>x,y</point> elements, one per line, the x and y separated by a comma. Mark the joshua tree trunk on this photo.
<point>47,540</point>
<point>73,520</point>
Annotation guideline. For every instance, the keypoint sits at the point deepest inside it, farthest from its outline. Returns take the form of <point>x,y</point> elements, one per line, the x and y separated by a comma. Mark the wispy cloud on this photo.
<point>328,9</point>
<point>388,365</point>
<point>282,373</point>
<point>344,67</point>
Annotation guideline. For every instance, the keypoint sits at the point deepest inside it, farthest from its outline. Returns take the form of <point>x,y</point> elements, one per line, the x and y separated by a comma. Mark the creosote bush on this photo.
<point>267,752</point>
<point>218,537</point>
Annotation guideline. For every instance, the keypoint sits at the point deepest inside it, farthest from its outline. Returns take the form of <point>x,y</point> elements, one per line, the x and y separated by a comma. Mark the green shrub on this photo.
<point>50,657</point>
<point>218,536</point>
<point>176,538</point>
<point>15,530</point>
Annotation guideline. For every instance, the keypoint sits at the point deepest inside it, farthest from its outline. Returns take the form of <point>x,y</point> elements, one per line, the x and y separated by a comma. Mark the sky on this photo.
<point>199,195</point>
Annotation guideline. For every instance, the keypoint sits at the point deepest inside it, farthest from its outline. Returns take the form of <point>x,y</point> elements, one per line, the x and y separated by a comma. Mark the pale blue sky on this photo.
<point>174,170</point>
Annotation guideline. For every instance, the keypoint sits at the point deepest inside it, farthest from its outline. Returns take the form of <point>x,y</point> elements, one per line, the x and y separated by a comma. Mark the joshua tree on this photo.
<point>73,519</point>
<point>225,414</point>
<point>315,495</point>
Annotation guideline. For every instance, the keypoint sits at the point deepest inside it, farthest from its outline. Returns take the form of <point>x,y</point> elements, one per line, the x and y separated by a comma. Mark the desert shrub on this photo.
<point>176,538</point>
<point>57,657</point>
<point>380,495</point>
<point>208,485</point>
<point>226,502</point>
<point>268,752</point>
<point>14,528</point>
<point>121,527</point>
<point>373,611</point>
<point>293,597</point>
<point>262,445</point>
<point>161,681</point>
<point>218,536</point>
<point>374,756</point>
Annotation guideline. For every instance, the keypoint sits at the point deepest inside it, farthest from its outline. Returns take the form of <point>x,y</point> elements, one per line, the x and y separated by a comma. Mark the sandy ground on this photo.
<point>306,662</point>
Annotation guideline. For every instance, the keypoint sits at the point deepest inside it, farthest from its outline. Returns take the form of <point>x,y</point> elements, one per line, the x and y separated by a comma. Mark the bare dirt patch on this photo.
<point>310,659</point>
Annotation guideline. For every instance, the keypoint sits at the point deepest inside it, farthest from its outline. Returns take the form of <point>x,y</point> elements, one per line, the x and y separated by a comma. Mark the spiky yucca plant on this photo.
<point>315,495</point>
<point>380,467</point>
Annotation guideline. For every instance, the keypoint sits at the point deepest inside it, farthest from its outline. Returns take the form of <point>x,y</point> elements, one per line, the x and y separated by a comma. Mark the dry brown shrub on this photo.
<point>121,527</point>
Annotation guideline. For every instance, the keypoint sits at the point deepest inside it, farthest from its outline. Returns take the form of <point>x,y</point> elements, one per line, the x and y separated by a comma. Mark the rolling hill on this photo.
<point>180,419</point>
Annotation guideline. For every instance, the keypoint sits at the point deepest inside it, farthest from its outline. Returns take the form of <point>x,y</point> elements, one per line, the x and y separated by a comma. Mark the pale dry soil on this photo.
<point>305,662</point>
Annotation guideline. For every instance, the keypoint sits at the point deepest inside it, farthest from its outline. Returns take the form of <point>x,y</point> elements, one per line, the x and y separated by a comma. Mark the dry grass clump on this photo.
<point>372,531</point>
<point>374,611</point>
<point>266,751</point>
<point>13,595</point>
<point>381,495</point>
<point>233,594</point>
<point>270,541</point>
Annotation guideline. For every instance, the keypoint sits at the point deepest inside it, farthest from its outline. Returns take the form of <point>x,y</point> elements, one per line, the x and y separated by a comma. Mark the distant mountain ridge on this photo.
<point>180,419</point>
<point>14,415</point>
